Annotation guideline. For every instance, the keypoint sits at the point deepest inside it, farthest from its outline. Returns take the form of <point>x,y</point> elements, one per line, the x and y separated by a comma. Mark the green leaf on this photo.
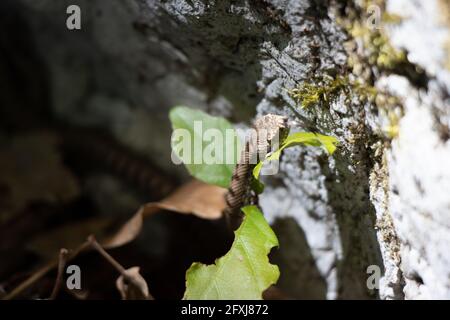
<point>245,271</point>
<point>306,138</point>
<point>256,185</point>
<point>212,159</point>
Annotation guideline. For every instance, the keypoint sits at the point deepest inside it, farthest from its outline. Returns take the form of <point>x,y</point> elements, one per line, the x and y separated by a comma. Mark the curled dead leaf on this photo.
<point>196,197</point>
<point>203,200</point>
<point>132,285</point>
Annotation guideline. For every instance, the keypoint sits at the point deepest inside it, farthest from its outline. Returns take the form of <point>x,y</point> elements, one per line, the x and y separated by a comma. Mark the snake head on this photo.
<point>273,125</point>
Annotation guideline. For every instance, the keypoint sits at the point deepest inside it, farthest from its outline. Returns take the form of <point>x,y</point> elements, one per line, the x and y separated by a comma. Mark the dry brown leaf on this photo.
<point>202,200</point>
<point>196,197</point>
<point>31,170</point>
<point>132,285</point>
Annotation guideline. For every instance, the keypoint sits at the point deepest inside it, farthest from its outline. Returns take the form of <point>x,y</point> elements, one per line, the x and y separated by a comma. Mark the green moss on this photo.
<point>369,53</point>
<point>447,49</point>
<point>444,7</point>
<point>379,50</point>
<point>391,18</point>
<point>392,129</point>
<point>322,92</point>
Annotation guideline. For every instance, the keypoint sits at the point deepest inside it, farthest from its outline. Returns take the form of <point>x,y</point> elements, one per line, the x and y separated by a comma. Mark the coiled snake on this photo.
<point>268,130</point>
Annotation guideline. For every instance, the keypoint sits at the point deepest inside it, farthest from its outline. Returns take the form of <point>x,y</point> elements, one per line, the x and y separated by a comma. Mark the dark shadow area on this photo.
<point>348,192</point>
<point>223,54</point>
<point>356,217</point>
<point>169,242</point>
<point>24,90</point>
<point>296,263</point>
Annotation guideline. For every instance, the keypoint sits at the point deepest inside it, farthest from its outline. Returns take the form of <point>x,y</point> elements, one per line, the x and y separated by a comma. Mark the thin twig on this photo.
<point>59,278</point>
<point>42,272</point>
<point>95,245</point>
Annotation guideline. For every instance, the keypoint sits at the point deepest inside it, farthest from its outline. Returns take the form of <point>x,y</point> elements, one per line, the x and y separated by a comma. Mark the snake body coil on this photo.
<point>267,128</point>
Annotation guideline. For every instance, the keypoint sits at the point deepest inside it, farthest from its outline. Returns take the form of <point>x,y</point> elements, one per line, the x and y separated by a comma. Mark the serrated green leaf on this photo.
<point>245,271</point>
<point>220,169</point>
<point>307,138</point>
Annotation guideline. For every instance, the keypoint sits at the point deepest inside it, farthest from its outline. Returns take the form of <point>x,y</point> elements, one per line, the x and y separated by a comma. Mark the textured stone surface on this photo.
<point>135,59</point>
<point>418,162</point>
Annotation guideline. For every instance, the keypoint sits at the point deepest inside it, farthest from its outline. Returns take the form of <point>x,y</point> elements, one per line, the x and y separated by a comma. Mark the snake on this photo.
<point>267,128</point>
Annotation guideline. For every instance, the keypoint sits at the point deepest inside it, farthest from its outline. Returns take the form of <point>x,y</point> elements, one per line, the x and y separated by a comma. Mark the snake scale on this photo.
<point>267,129</point>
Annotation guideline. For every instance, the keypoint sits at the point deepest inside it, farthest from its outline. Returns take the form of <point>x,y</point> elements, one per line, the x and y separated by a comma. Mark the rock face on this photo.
<point>372,203</point>
<point>419,178</point>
